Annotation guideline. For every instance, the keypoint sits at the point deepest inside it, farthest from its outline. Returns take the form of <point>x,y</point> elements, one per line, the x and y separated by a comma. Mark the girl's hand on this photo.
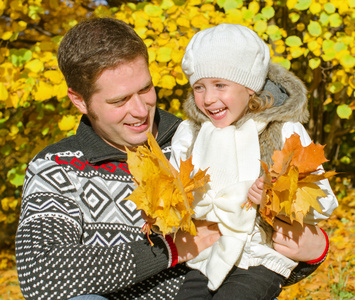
<point>255,193</point>
<point>187,245</point>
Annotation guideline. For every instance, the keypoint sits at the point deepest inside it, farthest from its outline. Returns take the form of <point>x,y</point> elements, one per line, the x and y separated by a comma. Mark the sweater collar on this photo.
<point>97,150</point>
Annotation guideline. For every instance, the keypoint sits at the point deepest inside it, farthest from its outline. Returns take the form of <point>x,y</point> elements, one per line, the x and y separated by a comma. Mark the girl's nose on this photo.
<point>210,98</point>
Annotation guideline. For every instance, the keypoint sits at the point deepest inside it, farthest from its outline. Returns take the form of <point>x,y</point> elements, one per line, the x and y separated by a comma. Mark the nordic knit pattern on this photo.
<point>76,235</point>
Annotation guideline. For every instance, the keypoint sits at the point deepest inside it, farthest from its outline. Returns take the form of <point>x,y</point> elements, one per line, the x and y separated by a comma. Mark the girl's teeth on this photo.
<point>216,111</point>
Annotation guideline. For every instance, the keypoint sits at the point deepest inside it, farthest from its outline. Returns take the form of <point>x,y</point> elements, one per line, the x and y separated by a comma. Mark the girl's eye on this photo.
<point>220,85</point>
<point>197,88</point>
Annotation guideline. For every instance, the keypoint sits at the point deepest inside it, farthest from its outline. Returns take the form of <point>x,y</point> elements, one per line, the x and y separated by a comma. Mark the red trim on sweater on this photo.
<point>174,253</point>
<point>324,255</point>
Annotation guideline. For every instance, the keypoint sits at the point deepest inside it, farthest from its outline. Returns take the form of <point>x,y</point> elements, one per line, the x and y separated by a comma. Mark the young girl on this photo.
<point>231,127</point>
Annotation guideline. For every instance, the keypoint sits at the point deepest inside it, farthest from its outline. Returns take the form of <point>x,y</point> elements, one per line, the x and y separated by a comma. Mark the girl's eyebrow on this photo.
<point>218,80</point>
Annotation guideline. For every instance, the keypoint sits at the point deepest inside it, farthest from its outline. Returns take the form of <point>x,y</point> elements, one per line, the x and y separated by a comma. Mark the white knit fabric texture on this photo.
<point>229,51</point>
<point>232,156</point>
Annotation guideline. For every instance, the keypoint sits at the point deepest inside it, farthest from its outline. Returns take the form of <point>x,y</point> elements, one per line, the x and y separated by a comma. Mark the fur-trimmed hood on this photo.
<point>290,105</point>
<point>293,108</point>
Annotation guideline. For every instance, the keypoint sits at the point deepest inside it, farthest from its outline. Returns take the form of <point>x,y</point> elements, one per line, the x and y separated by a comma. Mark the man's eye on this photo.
<point>120,101</point>
<point>146,89</point>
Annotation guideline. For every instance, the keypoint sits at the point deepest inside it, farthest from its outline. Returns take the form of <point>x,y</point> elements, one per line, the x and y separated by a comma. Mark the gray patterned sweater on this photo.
<point>76,235</point>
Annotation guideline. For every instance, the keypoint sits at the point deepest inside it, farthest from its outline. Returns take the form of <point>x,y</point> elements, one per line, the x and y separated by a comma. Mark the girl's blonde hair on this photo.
<point>260,101</point>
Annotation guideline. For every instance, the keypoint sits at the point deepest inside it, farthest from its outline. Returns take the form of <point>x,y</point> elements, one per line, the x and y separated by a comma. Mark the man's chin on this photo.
<point>137,143</point>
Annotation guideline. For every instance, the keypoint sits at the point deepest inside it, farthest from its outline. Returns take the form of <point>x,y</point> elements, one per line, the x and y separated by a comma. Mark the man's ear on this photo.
<point>77,100</point>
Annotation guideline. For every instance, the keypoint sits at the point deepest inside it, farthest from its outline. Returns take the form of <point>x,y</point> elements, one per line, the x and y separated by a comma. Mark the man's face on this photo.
<point>122,109</point>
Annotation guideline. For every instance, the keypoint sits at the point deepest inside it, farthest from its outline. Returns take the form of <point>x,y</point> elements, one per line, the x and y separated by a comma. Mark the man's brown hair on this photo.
<point>93,46</point>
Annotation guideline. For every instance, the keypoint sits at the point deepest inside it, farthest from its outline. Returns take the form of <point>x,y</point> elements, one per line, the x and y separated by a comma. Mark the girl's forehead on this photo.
<point>215,80</point>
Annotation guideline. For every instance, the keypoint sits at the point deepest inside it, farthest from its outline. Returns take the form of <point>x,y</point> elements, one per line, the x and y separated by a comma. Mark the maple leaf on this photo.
<point>289,184</point>
<point>306,159</point>
<point>164,193</point>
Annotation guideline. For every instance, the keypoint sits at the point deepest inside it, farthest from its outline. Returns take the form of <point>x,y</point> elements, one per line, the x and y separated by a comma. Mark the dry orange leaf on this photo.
<point>306,159</point>
<point>289,185</point>
<point>162,192</point>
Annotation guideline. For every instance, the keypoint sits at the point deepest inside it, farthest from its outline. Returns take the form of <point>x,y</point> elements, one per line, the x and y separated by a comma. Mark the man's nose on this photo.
<point>138,106</point>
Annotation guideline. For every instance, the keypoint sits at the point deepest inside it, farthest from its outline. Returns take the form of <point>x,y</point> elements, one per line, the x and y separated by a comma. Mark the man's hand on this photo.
<point>296,242</point>
<point>189,246</point>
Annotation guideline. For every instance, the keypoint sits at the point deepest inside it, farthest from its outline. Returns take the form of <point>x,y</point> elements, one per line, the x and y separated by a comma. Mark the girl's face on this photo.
<point>223,101</point>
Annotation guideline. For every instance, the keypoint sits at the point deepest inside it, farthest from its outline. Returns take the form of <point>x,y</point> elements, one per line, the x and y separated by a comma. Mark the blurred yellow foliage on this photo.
<point>335,278</point>
<point>67,123</point>
<point>314,39</point>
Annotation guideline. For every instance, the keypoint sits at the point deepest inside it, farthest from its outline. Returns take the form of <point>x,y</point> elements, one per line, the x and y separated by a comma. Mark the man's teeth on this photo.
<point>138,124</point>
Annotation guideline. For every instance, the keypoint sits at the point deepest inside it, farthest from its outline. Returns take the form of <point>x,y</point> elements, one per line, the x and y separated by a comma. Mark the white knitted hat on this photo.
<point>229,51</point>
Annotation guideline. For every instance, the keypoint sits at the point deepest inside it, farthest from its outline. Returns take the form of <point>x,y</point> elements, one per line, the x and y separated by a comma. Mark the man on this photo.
<point>76,236</point>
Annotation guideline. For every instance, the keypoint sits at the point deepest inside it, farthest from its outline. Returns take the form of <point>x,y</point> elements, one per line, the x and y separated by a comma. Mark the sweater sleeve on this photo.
<point>181,142</point>
<point>328,203</point>
<point>53,262</point>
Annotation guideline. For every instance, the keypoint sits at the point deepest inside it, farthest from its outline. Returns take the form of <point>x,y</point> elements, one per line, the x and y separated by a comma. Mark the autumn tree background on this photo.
<point>313,38</point>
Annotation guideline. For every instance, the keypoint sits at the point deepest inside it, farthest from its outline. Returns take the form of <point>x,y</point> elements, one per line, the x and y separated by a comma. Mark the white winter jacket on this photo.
<point>243,242</point>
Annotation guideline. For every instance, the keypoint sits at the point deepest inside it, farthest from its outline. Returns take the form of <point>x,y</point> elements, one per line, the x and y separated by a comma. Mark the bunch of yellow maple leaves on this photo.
<point>163,193</point>
<point>289,185</point>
